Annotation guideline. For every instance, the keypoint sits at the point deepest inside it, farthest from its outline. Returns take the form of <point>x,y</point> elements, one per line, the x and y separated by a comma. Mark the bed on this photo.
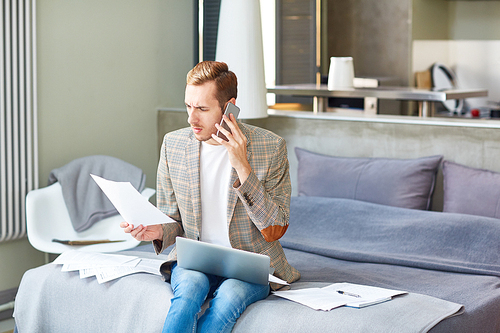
<point>343,228</point>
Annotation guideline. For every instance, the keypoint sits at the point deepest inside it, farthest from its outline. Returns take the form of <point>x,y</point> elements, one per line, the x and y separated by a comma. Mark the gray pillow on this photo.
<point>470,191</point>
<point>406,183</point>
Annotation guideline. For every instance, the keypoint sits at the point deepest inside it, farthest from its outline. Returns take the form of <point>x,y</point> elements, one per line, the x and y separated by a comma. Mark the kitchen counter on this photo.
<point>321,93</point>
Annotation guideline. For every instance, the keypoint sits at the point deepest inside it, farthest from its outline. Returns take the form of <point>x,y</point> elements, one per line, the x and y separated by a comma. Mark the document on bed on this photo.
<point>315,298</point>
<point>106,267</point>
<point>76,257</point>
<point>105,274</point>
<point>131,205</point>
<point>339,294</point>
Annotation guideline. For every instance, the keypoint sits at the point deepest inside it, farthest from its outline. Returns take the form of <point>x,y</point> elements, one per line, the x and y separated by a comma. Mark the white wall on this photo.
<point>463,35</point>
<point>104,66</point>
<point>457,20</point>
<point>477,20</point>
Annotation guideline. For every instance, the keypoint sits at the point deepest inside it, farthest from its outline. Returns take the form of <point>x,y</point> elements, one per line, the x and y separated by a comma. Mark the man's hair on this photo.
<point>225,80</point>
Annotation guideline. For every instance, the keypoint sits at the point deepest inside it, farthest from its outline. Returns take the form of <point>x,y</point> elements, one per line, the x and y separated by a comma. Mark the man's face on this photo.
<point>203,110</point>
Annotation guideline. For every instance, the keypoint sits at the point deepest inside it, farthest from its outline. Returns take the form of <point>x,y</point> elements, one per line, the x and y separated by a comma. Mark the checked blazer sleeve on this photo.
<point>267,202</point>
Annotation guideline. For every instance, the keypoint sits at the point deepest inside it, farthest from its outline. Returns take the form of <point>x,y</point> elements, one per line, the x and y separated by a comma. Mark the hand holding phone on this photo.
<point>230,108</point>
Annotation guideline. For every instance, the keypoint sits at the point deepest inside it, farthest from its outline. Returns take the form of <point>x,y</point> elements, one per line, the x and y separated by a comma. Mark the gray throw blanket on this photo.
<point>85,201</point>
<point>364,232</point>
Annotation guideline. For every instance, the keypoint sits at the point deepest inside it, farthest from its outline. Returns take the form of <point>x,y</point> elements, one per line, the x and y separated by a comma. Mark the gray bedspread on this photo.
<point>438,258</point>
<point>452,257</point>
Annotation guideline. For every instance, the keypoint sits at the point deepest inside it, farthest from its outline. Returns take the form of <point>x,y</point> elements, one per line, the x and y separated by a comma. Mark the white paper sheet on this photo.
<point>106,267</point>
<point>315,298</point>
<point>369,295</point>
<point>275,279</point>
<point>151,266</point>
<point>131,205</point>
<point>89,269</point>
<point>328,298</point>
<point>84,258</point>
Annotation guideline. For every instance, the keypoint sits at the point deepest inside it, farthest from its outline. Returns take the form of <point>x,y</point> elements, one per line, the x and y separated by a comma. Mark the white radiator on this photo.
<point>18,134</point>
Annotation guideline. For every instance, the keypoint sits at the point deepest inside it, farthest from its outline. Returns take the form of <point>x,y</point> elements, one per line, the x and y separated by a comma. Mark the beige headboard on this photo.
<point>473,144</point>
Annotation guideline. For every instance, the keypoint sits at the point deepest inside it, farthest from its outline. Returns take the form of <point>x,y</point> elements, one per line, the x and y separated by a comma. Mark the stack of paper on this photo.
<point>106,267</point>
<point>339,294</point>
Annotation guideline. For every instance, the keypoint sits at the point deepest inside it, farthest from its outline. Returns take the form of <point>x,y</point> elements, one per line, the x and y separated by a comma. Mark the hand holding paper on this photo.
<point>131,205</point>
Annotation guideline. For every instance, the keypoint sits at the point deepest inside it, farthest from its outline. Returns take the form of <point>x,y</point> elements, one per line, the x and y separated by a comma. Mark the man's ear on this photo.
<point>232,100</point>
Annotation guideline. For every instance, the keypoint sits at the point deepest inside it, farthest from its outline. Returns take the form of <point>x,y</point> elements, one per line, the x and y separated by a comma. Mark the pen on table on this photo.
<point>348,293</point>
<point>86,242</point>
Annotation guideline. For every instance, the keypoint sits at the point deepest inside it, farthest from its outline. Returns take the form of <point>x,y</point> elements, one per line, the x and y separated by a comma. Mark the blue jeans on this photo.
<point>191,289</point>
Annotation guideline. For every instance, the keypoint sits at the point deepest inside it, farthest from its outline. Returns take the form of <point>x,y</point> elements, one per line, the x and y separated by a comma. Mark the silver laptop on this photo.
<point>222,261</point>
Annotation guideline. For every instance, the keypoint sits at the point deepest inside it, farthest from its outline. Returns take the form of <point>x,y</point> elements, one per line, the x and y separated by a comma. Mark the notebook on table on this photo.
<point>222,261</point>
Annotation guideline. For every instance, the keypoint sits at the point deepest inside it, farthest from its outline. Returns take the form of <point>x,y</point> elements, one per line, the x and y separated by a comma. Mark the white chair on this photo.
<point>47,218</point>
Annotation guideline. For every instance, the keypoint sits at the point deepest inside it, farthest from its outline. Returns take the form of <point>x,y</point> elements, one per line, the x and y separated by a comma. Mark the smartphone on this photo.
<point>230,108</point>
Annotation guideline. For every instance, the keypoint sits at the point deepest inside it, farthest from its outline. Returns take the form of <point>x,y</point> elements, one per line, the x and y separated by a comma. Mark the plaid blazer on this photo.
<point>257,210</point>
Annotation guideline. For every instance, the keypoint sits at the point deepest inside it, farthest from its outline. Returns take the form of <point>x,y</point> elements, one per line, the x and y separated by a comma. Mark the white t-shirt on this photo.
<point>215,173</point>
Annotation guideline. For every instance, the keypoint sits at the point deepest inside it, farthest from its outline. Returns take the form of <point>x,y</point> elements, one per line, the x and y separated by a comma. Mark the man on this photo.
<point>234,193</point>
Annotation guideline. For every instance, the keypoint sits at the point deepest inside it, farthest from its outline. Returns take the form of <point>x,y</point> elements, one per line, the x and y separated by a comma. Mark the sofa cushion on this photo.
<point>406,183</point>
<point>470,191</point>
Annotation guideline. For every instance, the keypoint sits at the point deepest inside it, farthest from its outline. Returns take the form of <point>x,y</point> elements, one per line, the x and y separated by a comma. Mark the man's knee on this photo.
<point>190,283</point>
<point>238,295</point>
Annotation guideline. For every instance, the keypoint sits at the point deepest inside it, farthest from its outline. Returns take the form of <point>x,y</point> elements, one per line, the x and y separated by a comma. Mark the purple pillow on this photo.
<point>406,183</point>
<point>470,190</point>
